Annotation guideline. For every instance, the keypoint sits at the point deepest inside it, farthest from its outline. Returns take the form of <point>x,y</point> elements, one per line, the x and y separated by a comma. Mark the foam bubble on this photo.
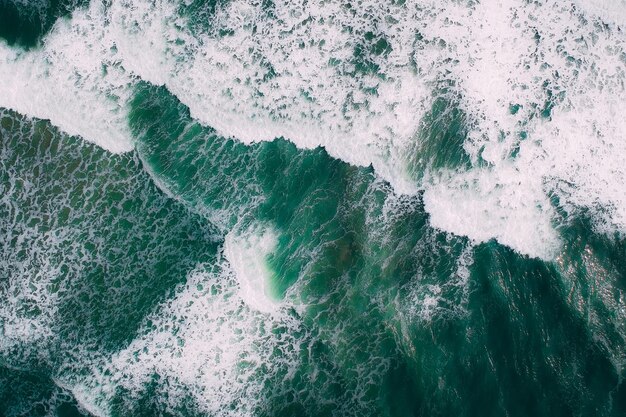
<point>247,254</point>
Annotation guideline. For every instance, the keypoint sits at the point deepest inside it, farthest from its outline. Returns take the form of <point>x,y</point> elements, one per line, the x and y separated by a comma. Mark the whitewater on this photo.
<point>293,207</point>
<point>542,81</point>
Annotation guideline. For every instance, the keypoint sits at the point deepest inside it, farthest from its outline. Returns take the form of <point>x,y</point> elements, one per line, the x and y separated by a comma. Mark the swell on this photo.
<point>373,85</point>
<point>377,312</point>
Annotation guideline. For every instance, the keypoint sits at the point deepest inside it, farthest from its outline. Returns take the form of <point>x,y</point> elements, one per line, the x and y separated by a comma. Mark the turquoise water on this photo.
<point>201,274</point>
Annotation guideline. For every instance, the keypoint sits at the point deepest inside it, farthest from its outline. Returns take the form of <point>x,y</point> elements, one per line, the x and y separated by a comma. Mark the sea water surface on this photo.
<point>312,208</point>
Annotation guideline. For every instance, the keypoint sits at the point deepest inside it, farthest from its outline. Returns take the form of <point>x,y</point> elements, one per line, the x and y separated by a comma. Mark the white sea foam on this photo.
<point>207,342</point>
<point>247,254</point>
<point>214,338</point>
<point>28,306</point>
<point>502,204</point>
<point>542,80</point>
<point>575,151</point>
<point>610,11</point>
<point>74,80</point>
<point>228,84</point>
<point>85,399</point>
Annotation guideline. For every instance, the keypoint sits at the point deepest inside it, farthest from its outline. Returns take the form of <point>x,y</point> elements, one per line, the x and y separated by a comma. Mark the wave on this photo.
<point>354,294</point>
<point>540,86</point>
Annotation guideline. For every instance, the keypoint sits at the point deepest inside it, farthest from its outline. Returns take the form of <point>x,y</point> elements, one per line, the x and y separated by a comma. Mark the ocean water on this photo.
<point>312,208</point>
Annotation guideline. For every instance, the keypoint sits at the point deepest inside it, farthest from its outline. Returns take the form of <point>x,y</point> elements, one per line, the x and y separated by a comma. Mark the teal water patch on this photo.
<point>593,267</point>
<point>33,395</point>
<point>199,14</point>
<point>524,348</point>
<point>547,356</point>
<point>25,23</point>
<point>439,142</point>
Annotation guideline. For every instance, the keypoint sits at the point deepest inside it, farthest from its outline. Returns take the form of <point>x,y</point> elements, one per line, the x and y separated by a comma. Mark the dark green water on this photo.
<point>122,291</point>
<point>24,24</point>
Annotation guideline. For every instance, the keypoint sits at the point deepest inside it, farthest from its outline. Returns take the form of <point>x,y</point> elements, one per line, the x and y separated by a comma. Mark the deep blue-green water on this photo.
<point>296,208</point>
